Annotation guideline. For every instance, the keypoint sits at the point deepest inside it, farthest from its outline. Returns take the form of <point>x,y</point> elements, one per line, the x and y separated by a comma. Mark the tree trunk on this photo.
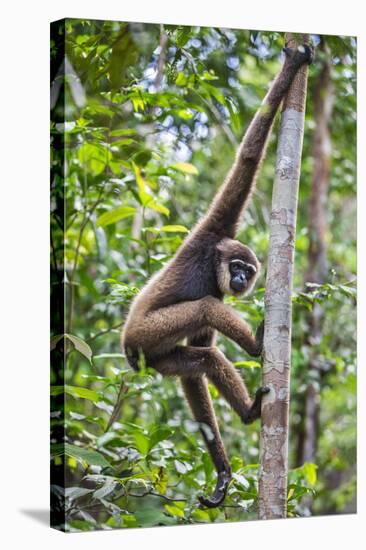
<point>277,333</point>
<point>317,255</point>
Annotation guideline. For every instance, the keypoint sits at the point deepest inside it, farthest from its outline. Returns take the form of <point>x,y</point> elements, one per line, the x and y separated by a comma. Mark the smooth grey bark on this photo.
<point>277,334</point>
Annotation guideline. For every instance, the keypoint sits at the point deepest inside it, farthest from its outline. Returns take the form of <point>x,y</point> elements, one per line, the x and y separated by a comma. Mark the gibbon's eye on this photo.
<point>236,266</point>
<point>250,270</point>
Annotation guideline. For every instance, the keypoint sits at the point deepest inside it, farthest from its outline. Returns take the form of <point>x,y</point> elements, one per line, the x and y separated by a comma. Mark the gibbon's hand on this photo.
<point>303,53</point>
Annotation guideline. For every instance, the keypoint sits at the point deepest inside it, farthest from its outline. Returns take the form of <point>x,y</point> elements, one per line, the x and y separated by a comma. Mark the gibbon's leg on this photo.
<point>161,329</point>
<point>192,362</point>
<point>198,397</point>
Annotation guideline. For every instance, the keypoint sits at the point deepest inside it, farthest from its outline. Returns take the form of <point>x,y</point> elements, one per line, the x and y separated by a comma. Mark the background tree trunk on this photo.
<point>317,257</point>
<point>277,333</point>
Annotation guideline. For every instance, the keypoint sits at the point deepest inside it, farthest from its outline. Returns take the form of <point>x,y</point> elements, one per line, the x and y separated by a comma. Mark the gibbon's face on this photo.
<point>241,275</point>
<point>237,267</point>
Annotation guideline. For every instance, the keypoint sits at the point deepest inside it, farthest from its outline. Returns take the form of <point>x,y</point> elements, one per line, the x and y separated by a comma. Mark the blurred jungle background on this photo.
<point>146,120</point>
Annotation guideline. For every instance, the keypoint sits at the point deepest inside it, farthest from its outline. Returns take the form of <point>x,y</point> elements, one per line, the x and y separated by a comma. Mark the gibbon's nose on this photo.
<point>238,282</point>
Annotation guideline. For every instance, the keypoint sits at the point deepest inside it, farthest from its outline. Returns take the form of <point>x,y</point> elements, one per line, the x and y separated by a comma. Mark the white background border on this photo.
<point>24,286</point>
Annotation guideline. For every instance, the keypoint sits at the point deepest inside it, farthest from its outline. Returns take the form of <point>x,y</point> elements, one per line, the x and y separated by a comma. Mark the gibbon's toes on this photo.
<point>255,410</point>
<point>211,502</point>
<point>263,390</point>
<point>218,496</point>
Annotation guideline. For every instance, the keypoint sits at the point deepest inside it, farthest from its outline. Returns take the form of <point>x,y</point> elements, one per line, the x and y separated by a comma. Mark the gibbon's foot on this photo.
<point>304,53</point>
<point>218,496</point>
<point>255,410</point>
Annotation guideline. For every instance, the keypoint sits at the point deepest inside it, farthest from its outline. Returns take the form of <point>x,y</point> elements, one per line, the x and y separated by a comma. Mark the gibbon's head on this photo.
<point>237,267</point>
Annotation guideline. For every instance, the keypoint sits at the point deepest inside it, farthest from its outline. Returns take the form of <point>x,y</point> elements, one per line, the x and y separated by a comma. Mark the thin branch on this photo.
<point>162,58</point>
<point>117,408</point>
<point>86,219</point>
<point>153,494</point>
<point>105,331</point>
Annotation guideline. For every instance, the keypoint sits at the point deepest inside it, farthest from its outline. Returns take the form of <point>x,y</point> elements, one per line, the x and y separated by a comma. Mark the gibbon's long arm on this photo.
<point>224,214</point>
<point>173,323</point>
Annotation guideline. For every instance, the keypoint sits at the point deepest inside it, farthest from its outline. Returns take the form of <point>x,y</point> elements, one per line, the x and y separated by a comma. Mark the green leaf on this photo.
<point>142,442</point>
<point>213,92</point>
<point>182,36</point>
<point>310,472</point>
<point>153,205</point>
<point>89,456</point>
<point>160,434</point>
<point>145,198</point>
<point>123,142</point>
<point>247,364</point>
<point>83,393</point>
<point>201,515</point>
<point>149,517</point>
<point>138,103</point>
<point>57,390</point>
<point>94,157</point>
<point>122,132</point>
<point>81,346</point>
<point>74,391</point>
<point>348,291</point>
<point>186,114</point>
<point>80,453</point>
<point>129,520</point>
<point>167,229</point>
<point>241,480</point>
<point>185,167</point>
<point>214,392</point>
<point>209,75</point>
<point>181,79</point>
<point>113,216</point>
<point>174,229</point>
<point>182,467</point>
<point>174,510</point>
<point>105,489</point>
<point>76,492</point>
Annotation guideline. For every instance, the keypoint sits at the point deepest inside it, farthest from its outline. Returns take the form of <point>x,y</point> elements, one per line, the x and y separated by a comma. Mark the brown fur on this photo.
<point>184,300</point>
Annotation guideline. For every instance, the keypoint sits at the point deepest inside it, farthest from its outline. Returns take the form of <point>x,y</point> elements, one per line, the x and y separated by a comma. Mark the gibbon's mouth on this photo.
<point>238,283</point>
